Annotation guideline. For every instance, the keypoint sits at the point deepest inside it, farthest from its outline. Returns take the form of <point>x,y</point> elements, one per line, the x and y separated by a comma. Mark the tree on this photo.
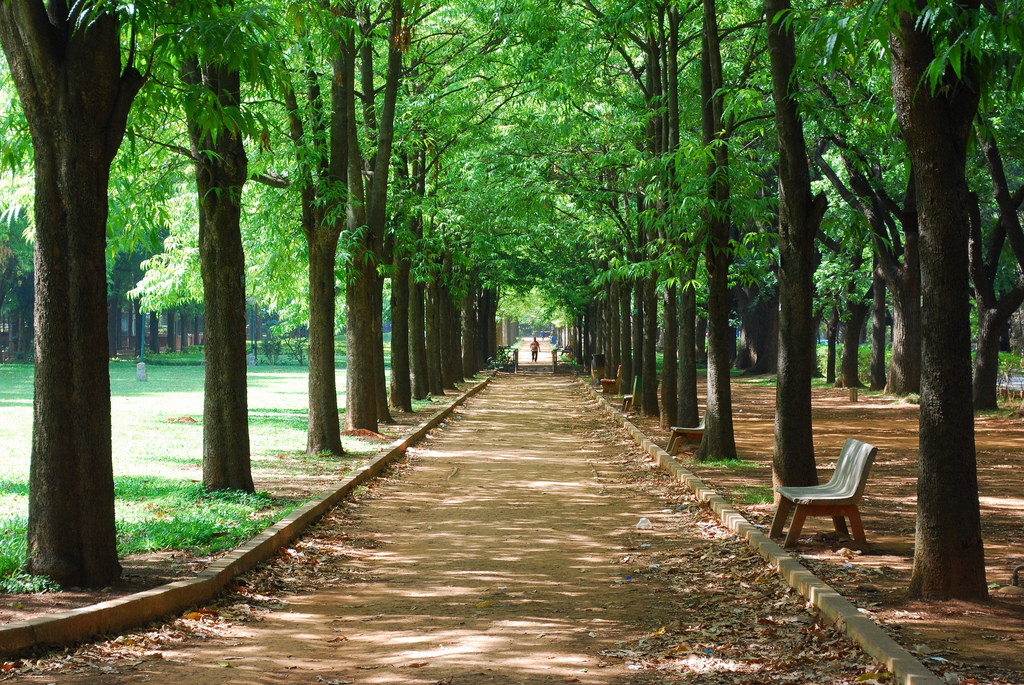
<point>367,176</point>
<point>800,215</point>
<point>936,102</point>
<point>718,441</point>
<point>76,93</point>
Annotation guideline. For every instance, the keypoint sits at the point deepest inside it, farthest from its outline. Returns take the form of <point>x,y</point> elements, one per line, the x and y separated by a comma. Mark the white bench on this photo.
<point>837,498</point>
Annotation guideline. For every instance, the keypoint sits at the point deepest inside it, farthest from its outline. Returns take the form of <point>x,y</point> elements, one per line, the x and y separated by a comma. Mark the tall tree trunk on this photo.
<point>949,558</point>
<point>367,215</point>
<point>417,342</point>
<point>800,215</point>
<point>435,367</point>
<point>625,336</point>
<point>831,334</point>
<point>172,331</point>
<point>719,440</point>
<point>154,332</point>
<point>878,327</point>
<point>637,338</point>
<point>401,385</point>
<point>650,341</point>
<point>323,433</point>
<point>849,366</point>
<point>113,325</point>
<point>614,327</point>
<point>221,169</point>
<point>669,364</point>
<point>469,367</point>
<point>76,100</point>
<point>379,372</point>
<point>687,412</point>
<point>905,359</point>
<point>759,331</point>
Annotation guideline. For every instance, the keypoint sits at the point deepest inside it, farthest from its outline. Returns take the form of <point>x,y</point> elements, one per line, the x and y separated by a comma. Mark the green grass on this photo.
<point>753,494</point>
<point>728,464</point>
<point>157,457</point>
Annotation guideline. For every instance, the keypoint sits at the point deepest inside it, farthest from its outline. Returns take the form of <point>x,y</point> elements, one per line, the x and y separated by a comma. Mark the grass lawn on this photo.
<point>157,454</point>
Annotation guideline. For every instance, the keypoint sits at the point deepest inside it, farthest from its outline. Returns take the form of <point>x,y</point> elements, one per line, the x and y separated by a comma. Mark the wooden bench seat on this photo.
<point>610,386</point>
<point>837,498</point>
<point>680,433</point>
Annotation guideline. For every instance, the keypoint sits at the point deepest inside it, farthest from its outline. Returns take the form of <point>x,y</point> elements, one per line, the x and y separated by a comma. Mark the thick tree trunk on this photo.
<point>637,340</point>
<point>76,100</point>
<point>469,367</point>
<point>878,327</point>
<point>759,331</point>
<point>849,366</point>
<point>417,342</point>
<point>379,373</point>
<point>669,364</point>
<point>800,215</point>
<point>649,386</point>
<point>450,331</point>
<point>113,326</point>
<point>324,431</point>
<point>687,411</point>
<point>625,337</point>
<point>435,366</point>
<point>831,334</point>
<point>401,386</point>
<point>361,377</point>
<point>221,169</point>
<point>719,440</point>
<point>905,360</point>
<point>614,326</point>
<point>154,332</point>
<point>949,558</point>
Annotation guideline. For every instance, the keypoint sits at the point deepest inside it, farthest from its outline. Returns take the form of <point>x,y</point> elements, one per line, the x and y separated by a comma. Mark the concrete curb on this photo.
<point>858,627</point>
<point>78,625</point>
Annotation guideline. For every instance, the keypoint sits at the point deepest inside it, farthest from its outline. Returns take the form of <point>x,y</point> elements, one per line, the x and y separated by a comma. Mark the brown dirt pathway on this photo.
<point>505,550</point>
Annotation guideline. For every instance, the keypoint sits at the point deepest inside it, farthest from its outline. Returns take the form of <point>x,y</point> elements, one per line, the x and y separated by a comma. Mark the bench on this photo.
<point>837,498</point>
<point>627,400</point>
<point>680,433</point>
<point>610,386</point>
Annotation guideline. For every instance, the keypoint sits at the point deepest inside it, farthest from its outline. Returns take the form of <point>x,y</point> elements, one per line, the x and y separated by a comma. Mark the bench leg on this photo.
<point>794,529</point>
<point>858,528</point>
<point>779,522</point>
<point>840,524</point>
<point>673,445</point>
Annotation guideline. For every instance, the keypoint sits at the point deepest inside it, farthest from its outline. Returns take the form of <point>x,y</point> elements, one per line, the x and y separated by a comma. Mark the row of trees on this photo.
<point>640,164</point>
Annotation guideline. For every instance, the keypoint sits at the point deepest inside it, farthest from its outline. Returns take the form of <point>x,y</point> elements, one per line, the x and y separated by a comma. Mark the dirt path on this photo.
<point>505,550</point>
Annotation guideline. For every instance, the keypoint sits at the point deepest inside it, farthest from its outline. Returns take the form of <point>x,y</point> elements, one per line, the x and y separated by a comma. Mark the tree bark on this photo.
<point>417,342</point>
<point>401,385</point>
<point>650,339</point>
<point>759,331</point>
<point>669,365</point>
<point>221,169</point>
<point>687,411</point>
<point>849,365</point>
<point>469,367</point>
<point>625,336</point>
<point>76,99</point>
<point>800,215</point>
<point>878,327</point>
<point>949,559</point>
<point>435,367</point>
<point>831,333</point>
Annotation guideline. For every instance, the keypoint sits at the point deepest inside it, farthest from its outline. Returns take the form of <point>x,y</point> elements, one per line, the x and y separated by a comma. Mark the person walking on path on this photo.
<point>534,349</point>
